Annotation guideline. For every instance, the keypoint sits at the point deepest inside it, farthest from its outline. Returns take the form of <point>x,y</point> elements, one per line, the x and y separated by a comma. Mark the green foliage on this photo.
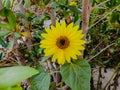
<point>6,26</point>
<point>9,15</point>
<point>11,44</point>
<point>46,1</point>
<point>3,43</point>
<point>77,74</point>
<point>62,2</point>
<point>112,3</point>
<point>12,88</point>
<point>115,19</point>
<point>74,9</point>
<point>98,1</point>
<point>41,81</point>
<point>118,41</point>
<point>11,76</point>
<point>17,35</point>
<point>27,3</point>
<point>104,30</point>
<point>6,3</point>
<point>4,32</point>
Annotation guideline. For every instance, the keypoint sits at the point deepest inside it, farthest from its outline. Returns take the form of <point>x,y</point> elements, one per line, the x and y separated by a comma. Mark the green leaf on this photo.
<point>12,88</point>
<point>27,3</point>
<point>19,14</point>
<point>11,19</point>
<point>98,1</point>
<point>74,9</point>
<point>46,1</point>
<point>17,35</point>
<point>54,4</point>
<point>11,44</point>
<point>4,32</point>
<point>7,3</point>
<point>114,17</point>
<point>3,43</point>
<point>91,1</point>
<point>113,3</point>
<point>118,41</point>
<point>10,16</point>
<point>77,75</point>
<point>6,26</point>
<point>41,81</point>
<point>62,2</point>
<point>12,75</point>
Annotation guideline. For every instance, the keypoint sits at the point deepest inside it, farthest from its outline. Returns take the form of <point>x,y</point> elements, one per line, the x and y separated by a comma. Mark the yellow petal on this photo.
<point>54,58</point>
<point>61,58</point>
<point>70,26</point>
<point>49,52</point>
<point>68,59</point>
<point>72,3</point>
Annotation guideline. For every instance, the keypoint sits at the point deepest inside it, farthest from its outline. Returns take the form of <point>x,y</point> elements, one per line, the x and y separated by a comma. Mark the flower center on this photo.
<point>62,42</point>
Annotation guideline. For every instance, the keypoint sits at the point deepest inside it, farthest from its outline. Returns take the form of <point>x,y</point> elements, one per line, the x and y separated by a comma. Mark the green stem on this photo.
<point>61,85</point>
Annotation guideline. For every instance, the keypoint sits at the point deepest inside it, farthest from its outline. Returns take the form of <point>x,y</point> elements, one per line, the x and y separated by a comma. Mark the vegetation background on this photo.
<point>23,21</point>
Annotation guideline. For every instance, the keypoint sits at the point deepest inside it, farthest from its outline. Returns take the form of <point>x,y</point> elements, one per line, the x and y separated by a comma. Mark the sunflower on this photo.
<point>63,42</point>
